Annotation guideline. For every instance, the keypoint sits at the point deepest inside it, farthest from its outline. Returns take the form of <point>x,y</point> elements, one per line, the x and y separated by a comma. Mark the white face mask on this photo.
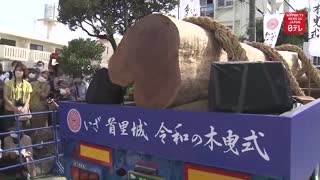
<point>14,135</point>
<point>18,74</point>
<point>63,91</point>
<point>41,79</point>
<point>31,76</point>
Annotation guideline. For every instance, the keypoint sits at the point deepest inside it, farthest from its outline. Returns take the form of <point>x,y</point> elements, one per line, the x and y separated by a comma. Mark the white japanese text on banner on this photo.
<point>314,27</point>
<point>189,8</point>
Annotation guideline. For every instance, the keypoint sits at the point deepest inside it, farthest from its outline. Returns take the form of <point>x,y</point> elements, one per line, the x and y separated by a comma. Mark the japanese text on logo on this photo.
<point>295,23</point>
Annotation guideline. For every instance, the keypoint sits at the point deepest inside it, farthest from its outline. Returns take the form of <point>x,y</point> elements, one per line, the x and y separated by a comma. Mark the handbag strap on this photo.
<point>15,93</point>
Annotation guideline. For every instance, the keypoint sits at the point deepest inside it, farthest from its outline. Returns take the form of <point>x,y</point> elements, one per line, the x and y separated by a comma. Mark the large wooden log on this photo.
<point>168,61</point>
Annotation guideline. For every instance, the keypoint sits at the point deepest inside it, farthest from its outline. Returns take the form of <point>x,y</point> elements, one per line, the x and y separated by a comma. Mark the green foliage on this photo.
<point>80,55</point>
<point>283,38</point>
<point>104,18</point>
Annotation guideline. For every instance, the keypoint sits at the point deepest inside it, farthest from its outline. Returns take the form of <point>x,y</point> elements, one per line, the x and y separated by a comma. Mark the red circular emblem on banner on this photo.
<point>272,23</point>
<point>74,120</point>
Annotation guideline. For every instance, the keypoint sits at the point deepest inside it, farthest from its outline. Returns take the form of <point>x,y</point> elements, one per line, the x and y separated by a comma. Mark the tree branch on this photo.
<point>99,19</point>
<point>107,36</point>
<point>84,29</point>
<point>93,35</point>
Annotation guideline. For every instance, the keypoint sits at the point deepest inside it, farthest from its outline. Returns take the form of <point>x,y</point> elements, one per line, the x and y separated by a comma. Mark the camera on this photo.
<point>50,101</point>
<point>19,102</point>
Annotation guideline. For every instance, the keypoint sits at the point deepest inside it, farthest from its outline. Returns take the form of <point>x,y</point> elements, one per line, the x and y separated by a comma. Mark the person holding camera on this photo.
<point>16,96</point>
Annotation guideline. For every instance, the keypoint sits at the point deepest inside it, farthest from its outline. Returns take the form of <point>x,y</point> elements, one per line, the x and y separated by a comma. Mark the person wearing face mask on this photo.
<point>62,88</point>
<point>33,74</point>
<point>40,64</point>
<point>16,94</point>
<point>38,101</point>
<point>31,77</point>
<point>79,88</point>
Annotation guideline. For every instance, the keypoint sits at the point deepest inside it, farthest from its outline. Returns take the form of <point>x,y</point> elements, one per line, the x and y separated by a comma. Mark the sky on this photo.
<point>20,17</point>
<point>299,4</point>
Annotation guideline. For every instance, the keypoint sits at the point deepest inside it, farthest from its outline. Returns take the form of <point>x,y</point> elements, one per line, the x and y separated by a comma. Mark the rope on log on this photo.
<point>235,51</point>
<point>307,67</point>
<point>223,35</point>
<point>274,55</point>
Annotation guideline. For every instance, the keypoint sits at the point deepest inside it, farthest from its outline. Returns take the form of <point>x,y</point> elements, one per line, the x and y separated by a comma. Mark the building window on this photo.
<point>316,61</point>
<point>7,42</point>
<point>229,2</point>
<point>220,3</point>
<point>205,2</point>
<point>223,3</point>
<point>206,10</point>
<point>36,47</point>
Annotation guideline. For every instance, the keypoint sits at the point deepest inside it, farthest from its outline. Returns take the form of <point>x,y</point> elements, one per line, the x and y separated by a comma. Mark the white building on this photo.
<point>314,60</point>
<point>27,49</point>
<point>108,52</point>
<point>206,8</point>
<point>235,13</point>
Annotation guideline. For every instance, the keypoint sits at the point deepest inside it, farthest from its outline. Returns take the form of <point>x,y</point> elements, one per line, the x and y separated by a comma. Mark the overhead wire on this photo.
<point>290,5</point>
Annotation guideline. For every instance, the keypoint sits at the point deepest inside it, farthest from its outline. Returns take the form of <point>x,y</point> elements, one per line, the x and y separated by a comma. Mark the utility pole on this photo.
<point>179,10</point>
<point>234,16</point>
<point>252,20</point>
<point>273,6</point>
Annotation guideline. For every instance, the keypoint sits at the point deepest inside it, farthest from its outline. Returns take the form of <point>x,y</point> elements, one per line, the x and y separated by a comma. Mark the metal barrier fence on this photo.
<point>58,168</point>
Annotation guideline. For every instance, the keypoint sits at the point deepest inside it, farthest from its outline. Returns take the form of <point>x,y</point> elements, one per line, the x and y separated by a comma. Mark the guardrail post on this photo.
<point>54,121</point>
<point>20,131</point>
<point>19,137</point>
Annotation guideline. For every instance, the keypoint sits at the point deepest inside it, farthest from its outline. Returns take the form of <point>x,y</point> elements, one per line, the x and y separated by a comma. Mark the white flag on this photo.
<point>314,28</point>
<point>271,28</point>
<point>189,8</point>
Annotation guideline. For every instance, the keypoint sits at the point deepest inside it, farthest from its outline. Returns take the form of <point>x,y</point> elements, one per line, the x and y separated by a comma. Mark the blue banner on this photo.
<point>256,144</point>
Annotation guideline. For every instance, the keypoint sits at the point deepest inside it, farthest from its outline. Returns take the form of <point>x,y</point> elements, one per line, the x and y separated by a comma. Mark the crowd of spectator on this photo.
<point>37,89</point>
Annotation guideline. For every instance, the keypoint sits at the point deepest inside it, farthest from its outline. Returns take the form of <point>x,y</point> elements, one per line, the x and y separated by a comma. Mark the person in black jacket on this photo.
<point>102,91</point>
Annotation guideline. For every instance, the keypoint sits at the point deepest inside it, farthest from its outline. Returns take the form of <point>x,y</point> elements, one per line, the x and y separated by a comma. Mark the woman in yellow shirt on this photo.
<point>16,94</point>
